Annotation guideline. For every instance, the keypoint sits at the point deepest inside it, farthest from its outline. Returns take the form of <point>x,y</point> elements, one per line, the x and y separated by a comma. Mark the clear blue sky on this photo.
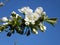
<point>52,34</point>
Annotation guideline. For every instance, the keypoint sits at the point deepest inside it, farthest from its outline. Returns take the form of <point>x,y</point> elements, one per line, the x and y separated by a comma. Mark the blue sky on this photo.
<point>52,34</point>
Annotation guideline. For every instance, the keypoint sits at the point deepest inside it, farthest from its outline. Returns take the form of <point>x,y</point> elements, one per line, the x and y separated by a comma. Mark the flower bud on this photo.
<point>4,19</point>
<point>35,31</point>
<point>5,23</point>
<point>13,12</point>
<point>43,28</point>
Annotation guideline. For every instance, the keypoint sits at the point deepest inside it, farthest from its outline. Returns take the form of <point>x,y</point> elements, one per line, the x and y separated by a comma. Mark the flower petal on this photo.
<point>39,10</point>
<point>26,10</point>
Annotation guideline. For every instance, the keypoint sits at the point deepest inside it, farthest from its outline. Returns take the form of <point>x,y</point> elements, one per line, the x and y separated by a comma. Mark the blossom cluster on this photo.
<point>32,21</point>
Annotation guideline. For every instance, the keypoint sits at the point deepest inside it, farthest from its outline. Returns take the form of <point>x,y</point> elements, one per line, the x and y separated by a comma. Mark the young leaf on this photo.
<point>52,21</point>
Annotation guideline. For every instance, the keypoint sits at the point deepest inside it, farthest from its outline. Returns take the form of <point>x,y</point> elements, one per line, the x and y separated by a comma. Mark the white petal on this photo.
<point>35,16</point>
<point>26,10</point>
<point>26,18</point>
<point>39,10</point>
<point>32,22</point>
<point>27,23</point>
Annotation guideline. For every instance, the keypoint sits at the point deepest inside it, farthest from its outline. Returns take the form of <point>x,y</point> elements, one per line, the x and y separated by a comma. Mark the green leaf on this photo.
<point>52,21</point>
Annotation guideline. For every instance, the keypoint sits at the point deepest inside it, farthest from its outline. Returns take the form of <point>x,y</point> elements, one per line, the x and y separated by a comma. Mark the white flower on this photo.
<point>5,23</point>
<point>4,19</point>
<point>26,10</point>
<point>35,31</point>
<point>13,12</point>
<point>30,16</point>
<point>29,19</point>
<point>39,10</point>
